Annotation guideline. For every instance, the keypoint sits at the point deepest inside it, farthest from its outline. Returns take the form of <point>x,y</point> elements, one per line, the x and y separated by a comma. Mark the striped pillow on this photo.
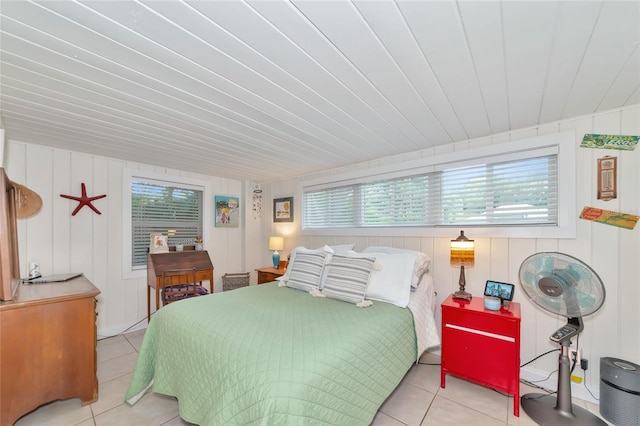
<point>306,270</point>
<point>348,277</point>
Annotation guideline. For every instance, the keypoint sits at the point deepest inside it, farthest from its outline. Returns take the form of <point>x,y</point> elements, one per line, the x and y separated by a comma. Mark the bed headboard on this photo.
<point>9,260</point>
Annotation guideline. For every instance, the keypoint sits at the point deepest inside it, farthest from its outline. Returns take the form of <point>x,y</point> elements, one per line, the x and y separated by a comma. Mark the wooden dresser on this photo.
<point>47,346</point>
<point>158,262</point>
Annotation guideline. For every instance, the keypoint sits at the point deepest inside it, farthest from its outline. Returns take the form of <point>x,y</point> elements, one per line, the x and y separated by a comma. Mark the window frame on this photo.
<point>562,143</point>
<point>133,175</point>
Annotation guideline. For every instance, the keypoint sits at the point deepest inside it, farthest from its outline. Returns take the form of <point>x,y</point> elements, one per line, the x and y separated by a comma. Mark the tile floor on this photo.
<point>418,400</point>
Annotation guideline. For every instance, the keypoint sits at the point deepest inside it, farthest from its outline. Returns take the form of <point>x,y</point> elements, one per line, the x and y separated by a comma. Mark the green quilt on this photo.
<point>273,355</point>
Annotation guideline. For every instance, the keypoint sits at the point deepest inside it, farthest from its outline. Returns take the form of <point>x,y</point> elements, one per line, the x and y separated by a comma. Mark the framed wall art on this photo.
<point>607,178</point>
<point>227,211</point>
<point>283,209</point>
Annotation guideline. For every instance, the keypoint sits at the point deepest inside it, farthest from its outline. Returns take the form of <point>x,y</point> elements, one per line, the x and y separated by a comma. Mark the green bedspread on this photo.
<point>272,355</point>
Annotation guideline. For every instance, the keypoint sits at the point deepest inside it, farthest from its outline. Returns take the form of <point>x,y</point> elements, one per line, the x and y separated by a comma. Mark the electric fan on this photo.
<point>562,285</point>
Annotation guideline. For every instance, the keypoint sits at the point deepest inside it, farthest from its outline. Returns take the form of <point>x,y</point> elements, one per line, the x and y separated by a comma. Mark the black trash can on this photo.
<point>620,391</point>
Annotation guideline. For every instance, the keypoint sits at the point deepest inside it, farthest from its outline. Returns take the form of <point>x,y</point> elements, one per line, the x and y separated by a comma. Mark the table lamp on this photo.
<point>276,243</point>
<point>462,254</point>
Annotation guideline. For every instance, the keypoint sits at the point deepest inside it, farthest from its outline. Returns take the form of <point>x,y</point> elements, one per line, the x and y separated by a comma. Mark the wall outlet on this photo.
<point>574,356</point>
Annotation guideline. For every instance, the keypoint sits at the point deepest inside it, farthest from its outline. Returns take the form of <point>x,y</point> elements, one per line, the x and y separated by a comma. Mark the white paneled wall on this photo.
<point>612,252</point>
<point>92,243</point>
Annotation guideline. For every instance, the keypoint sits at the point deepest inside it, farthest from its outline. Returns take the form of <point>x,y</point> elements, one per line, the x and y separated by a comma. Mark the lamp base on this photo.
<point>461,294</point>
<point>276,259</point>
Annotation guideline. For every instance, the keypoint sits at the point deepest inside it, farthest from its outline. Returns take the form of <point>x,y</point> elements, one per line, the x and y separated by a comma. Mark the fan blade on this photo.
<point>543,264</point>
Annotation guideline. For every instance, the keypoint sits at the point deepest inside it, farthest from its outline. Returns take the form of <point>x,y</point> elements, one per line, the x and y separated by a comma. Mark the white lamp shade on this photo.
<point>276,243</point>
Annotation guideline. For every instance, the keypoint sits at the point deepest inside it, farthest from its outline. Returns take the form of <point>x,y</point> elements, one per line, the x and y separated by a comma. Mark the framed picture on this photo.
<point>158,243</point>
<point>607,178</point>
<point>227,211</point>
<point>283,209</point>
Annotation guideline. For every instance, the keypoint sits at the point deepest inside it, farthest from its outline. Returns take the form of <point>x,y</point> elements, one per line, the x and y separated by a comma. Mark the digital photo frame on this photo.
<point>503,291</point>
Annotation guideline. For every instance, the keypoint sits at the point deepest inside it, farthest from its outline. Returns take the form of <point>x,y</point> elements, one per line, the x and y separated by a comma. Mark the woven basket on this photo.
<point>233,281</point>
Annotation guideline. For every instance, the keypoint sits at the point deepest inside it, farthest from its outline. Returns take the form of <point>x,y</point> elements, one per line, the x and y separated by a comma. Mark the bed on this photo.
<point>273,354</point>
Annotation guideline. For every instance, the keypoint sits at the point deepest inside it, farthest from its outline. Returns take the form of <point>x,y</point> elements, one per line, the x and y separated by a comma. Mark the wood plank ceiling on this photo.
<point>265,90</point>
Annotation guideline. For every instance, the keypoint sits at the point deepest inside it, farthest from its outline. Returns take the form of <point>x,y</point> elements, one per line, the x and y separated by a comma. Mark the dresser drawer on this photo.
<point>203,275</point>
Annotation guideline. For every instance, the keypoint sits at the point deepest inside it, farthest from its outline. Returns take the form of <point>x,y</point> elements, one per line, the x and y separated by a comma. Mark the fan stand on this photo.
<point>546,409</point>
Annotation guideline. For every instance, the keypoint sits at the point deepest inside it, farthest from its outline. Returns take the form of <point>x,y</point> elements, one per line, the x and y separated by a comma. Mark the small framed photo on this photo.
<point>158,243</point>
<point>283,209</point>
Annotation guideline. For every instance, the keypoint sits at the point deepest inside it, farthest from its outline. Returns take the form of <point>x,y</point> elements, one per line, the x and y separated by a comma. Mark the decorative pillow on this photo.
<point>306,271</point>
<point>292,258</point>
<point>329,250</point>
<point>348,277</point>
<point>392,281</point>
<point>421,265</point>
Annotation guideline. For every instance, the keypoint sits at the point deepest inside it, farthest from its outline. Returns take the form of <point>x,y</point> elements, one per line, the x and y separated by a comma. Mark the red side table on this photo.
<point>482,346</point>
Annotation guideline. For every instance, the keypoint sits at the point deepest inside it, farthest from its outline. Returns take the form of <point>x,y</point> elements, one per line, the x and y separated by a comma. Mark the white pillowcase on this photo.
<point>391,280</point>
<point>421,264</point>
<point>342,248</point>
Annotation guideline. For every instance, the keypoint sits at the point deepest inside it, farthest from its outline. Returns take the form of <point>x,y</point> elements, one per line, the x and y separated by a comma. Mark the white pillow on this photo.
<point>348,277</point>
<point>391,282</point>
<point>421,265</point>
<point>342,248</point>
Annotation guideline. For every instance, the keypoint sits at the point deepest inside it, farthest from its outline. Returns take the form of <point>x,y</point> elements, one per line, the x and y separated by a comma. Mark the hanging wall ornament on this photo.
<point>257,202</point>
<point>28,203</point>
<point>84,200</point>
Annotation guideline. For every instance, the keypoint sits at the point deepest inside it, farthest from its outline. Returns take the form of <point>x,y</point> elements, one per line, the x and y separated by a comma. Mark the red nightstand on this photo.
<point>482,346</point>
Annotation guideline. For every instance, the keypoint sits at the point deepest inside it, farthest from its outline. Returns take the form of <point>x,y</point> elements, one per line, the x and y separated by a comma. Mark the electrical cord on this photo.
<point>539,356</point>
<point>575,361</point>
<point>584,382</point>
<point>125,330</point>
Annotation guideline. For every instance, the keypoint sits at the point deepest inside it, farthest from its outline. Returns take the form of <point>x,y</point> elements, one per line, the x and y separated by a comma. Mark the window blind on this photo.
<point>331,207</point>
<point>515,192</point>
<point>158,208</point>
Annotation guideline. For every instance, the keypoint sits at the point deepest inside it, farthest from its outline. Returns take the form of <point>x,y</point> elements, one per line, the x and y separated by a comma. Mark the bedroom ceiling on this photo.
<point>265,90</point>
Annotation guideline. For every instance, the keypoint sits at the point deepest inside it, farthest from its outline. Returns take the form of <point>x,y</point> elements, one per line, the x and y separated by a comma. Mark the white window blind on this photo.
<point>160,207</point>
<point>514,192</point>
<point>331,207</point>
<point>401,201</point>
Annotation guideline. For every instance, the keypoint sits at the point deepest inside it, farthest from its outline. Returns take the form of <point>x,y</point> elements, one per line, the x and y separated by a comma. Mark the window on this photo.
<point>521,192</point>
<point>505,187</point>
<point>174,208</point>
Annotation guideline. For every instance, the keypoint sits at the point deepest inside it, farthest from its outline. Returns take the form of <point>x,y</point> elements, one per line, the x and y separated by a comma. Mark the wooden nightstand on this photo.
<point>266,275</point>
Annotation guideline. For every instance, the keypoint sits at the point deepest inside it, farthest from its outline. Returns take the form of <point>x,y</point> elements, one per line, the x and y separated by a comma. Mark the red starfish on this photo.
<point>84,200</point>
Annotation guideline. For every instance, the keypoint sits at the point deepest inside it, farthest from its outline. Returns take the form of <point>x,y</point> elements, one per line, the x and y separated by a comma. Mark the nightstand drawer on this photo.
<point>487,321</point>
<point>266,275</point>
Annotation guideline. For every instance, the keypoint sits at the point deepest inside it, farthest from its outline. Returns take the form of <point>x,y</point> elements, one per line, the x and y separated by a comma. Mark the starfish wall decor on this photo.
<point>84,200</point>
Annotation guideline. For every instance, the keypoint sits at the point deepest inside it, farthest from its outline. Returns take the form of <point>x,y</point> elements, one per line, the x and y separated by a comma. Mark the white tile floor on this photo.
<point>418,400</point>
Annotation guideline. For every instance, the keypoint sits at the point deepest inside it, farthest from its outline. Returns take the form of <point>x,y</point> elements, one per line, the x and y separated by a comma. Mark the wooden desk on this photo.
<point>482,345</point>
<point>159,262</point>
<point>47,346</point>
